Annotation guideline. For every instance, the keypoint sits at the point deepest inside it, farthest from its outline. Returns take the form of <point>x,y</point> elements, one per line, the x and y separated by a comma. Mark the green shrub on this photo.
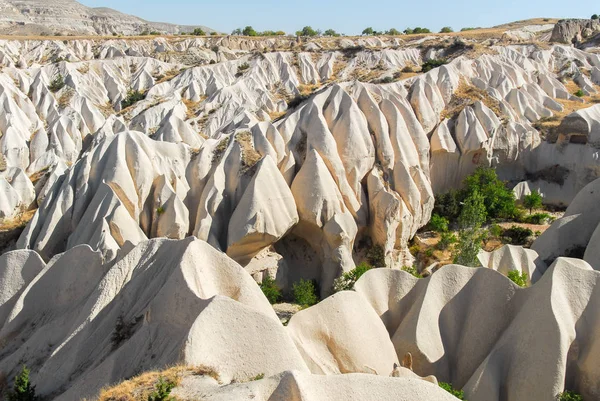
<point>249,31</point>
<point>533,201</point>
<point>496,231</point>
<point>517,235</point>
<point>446,29</point>
<point>438,223</point>
<point>331,32</point>
<point>241,69</point>
<point>258,377</point>
<point>538,218</point>
<point>368,31</point>
<point>518,279</point>
<point>271,290</point>
<point>595,16</point>
<point>376,256</point>
<point>199,32</point>
<point>133,96</point>
<point>393,32</point>
<point>448,205</point>
<point>22,390</point>
<point>305,293</point>
<point>470,238</point>
<point>411,270</point>
<point>57,84</point>
<point>569,396</point>
<point>446,239</point>
<point>448,387</point>
<point>162,390</point>
<point>498,199</point>
<point>347,280</point>
<point>307,31</point>
<point>579,93</point>
<point>433,63</point>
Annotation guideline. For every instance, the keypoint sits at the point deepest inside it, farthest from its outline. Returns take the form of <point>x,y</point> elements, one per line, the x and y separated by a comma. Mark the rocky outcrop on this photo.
<point>574,30</point>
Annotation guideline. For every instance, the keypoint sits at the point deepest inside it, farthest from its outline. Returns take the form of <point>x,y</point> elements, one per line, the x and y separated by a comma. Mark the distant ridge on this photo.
<point>69,17</point>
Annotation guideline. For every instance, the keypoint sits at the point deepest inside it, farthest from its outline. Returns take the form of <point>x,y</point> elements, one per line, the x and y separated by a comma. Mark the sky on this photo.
<point>347,16</point>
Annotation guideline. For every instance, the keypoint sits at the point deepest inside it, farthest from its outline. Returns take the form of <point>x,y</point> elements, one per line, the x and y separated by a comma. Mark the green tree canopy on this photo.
<point>533,201</point>
<point>368,31</point>
<point>249,31</point>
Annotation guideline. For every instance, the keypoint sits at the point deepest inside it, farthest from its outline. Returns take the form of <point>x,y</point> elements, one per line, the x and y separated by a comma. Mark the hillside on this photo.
<point>68,17</point>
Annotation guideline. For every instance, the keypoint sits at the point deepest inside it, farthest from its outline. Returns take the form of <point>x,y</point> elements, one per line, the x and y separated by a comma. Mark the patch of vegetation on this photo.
<point>376,256</point>
<point>517,235</point>
<point>57,84</point>
<point>499,201</point>
<point>242,68</point>
<point>446,240</point>
<point>569,396</point>
<point>533,201</point>
<point>132,97</point>
<point>446,29</point>
<point>162,390</point>
<point>307,31</point>
<point>449,388</point>
<point>271,290</point>
<point>412,271</point>
<point>471,236</point>
<point>438,223</point>
<point>517,278</point>
<point>467,95</point>
<point>347,280</point>
<point>368,31</point>
<point>415,31</point>
<point>331,32</point>
<point>579,93</point>
<point>23,390</point>
<point>220,150</point>
<point>393,32</point>
<point>258,377</point>
<point>123,331</point>
<point>305,293</point>
<point>538,218</point>
<point>199,32</point>
<point>160,210</point>
<point>433,63</point>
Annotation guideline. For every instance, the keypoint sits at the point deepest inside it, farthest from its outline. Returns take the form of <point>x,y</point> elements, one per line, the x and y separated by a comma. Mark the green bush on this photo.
<point>448,387</point>
<point>241,69</point>
<point>446,239</point>
<point>162,391</point>
<point>433,63</point>
<point>439,224</point>
<point>595,16</point>
<point>393,32</point>
<point>347,280</point>
<point>518,279</point>
<point>376,256</point>
<point>199,32</point>
<point>368,31</point>
<point>446,29</point>
<point>305,293</point>
<point>249,31</point>
<point>57,84</point>
<point>579,93</point>
<point>307,31</point>
<point>331,32</point>
<point>538,218</point>
<point>517,235</point>
<point>271,290</point>
<point>133,96</point>
<point>533,201</point>
<point>448,205</point>
<point>569,396</point>
<point>470,238</point>
<point>411,270</point>
<point>23,390</point>
<point>496,231</point>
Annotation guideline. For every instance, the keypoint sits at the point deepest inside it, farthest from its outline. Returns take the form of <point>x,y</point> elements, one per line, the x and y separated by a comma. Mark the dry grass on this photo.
<point>84,69</point>
<point>106,109</point>
<point>467,95</point>
<point>65,98</point>
<point>3,165</point>
<point>17,222</point>
<point>250,157</point>
<point>140,387</point>
<point>307,89</point>
<point>192,108</point>
<point>169,75</point>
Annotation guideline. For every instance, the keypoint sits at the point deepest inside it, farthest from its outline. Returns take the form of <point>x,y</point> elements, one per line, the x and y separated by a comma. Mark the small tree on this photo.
<point>408,31</point>
<point>368,31</point>
<point>533,201</point>
<point>162,390</point>
<point>22,389</point>
<point>471,236</point>
<point>199,32</point>
<point>249,31</point>
<point>449,388</point>
<point>331,32</point>
<point>595,16</point>
<point>446,29</point>
<point>307,31</point>
<point>237,32</point>
<point>393,32</point>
